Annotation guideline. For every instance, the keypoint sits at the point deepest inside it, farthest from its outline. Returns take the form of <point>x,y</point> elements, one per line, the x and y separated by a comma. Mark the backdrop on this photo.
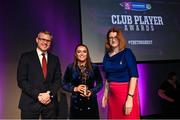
<point>21,20</point>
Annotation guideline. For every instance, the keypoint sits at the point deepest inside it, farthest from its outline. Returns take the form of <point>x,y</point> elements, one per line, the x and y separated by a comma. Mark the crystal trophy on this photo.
<point>84,77</point>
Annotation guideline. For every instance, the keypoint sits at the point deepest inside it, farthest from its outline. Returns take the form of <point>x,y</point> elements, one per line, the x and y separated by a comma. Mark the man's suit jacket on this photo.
<point>32,82</point>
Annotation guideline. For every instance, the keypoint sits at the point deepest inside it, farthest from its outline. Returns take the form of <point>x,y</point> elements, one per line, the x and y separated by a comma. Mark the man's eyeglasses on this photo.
<point>44,40</point>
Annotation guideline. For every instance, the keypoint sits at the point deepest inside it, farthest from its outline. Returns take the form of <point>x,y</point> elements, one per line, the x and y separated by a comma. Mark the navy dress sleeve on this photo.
<point>67,79</point>
<point>131,63</point>
<point>98,80</point>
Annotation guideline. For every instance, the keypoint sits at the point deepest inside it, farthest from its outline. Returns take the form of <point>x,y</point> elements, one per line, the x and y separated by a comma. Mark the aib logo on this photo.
<point>136,6</point>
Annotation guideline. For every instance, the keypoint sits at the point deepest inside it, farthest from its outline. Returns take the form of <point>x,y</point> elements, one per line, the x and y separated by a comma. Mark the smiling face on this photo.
<point>43,41</point>
<point>81,54</point>
<point>113,40</point>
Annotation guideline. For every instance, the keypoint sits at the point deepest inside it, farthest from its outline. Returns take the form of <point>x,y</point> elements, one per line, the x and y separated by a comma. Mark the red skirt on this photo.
<point>117,98</point>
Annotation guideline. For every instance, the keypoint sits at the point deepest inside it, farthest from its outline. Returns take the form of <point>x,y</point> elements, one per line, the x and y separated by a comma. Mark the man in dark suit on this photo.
<point>39,76</point>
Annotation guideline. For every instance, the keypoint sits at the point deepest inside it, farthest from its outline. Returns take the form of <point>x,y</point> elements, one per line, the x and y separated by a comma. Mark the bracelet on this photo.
<point>130,95</point>
<point>50,94</point>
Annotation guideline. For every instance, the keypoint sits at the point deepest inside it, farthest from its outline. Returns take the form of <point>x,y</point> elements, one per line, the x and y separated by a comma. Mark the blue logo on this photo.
<point>136,6</point>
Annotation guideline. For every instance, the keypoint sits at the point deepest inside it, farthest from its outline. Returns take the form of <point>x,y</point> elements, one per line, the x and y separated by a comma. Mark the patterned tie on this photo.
<point>44,65</point>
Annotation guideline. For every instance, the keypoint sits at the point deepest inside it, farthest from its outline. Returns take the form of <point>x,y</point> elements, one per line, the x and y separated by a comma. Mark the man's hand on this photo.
<point>44,98</point>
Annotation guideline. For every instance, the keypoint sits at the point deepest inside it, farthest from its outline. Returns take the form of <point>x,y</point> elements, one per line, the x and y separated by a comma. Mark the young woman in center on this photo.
<point>83,80</point>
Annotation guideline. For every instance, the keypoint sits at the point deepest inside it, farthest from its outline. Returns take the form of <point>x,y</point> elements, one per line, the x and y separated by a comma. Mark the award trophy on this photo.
<point>84,76</point>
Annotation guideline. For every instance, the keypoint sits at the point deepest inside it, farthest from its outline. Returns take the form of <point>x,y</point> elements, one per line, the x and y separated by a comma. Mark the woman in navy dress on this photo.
<point>121,93</point>
<point>83,80</point>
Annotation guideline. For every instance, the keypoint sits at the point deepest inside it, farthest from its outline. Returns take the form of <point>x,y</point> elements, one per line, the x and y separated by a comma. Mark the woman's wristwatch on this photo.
<point>130,95</point>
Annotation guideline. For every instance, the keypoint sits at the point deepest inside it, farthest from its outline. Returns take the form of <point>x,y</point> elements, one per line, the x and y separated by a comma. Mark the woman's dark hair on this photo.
<point>171,74</point>
<point>88,60</point>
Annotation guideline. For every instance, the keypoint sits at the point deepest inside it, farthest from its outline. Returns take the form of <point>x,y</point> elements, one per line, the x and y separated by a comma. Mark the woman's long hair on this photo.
<point>88,59</point>
<point>120,37</point>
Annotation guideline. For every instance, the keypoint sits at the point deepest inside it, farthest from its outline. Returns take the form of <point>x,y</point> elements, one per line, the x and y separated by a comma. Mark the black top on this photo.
<point>170,91</point>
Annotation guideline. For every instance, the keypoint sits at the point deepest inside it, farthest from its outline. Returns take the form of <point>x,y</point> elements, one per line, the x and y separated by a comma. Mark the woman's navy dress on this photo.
<point>83,107</point>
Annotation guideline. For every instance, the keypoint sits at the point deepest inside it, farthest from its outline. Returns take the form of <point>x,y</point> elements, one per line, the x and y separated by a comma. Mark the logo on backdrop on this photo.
<point>137,22</point>
<point>136,6</point>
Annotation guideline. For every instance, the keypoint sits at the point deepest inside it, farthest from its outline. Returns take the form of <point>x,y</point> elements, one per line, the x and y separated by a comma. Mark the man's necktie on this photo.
<point>44,65</point>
